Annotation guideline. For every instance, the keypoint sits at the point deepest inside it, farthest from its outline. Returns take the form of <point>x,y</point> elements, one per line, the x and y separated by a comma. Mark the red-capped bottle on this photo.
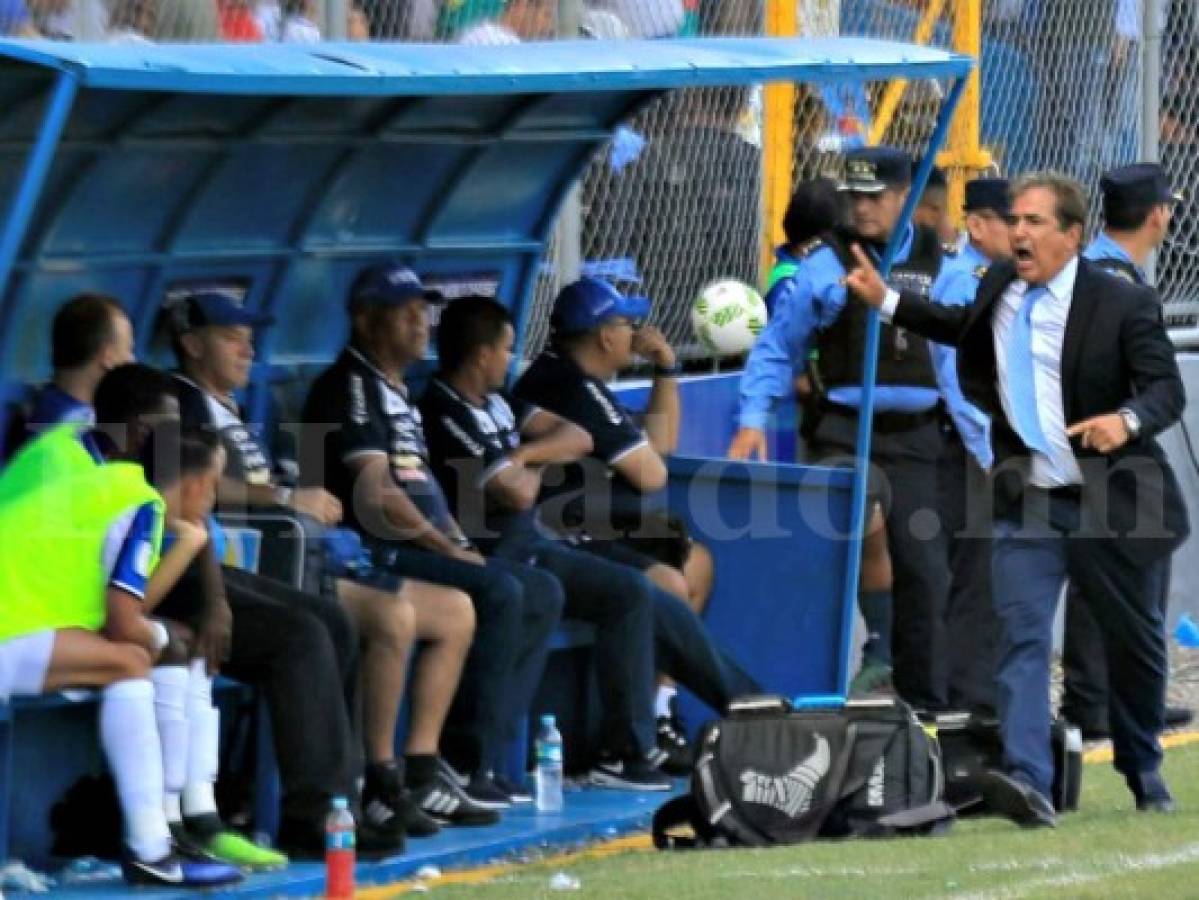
<point>339,851</point>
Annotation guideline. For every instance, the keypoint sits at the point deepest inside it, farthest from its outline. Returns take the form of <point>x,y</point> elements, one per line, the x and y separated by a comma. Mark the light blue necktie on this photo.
<point>1021,380</point>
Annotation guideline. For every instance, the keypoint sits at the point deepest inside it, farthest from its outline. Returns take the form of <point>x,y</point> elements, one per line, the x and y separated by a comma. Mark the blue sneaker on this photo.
<point>178,871</point>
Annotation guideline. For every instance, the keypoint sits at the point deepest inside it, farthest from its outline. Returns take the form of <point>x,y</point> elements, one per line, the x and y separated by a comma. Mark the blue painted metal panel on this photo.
<point>781,620</point>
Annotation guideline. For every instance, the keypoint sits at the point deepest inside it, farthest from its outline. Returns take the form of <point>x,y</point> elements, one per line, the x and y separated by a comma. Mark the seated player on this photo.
<point>595,334</point>
<point>481,439</point>
<point>213,341</point>
<point>376,463</point>
<point>76,553</point>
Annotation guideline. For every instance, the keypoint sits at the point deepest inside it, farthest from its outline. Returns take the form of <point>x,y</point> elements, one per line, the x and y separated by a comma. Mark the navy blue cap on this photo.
<point>389,284</point>
<point>586,304</point>
<point>869,170</point>
<point>219,308</point>
<point>1137,185</point>
<point>992,194</point>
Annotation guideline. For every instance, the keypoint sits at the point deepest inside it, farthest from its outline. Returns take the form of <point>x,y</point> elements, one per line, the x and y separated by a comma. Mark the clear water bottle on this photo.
<point>549,766</point>
<point>339,851</point>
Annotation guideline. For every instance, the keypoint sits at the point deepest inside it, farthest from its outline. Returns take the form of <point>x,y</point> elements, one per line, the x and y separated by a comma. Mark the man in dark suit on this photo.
<point>1078,375</point>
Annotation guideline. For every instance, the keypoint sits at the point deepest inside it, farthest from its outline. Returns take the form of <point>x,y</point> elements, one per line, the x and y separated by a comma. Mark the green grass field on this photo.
<point>1105,850</point>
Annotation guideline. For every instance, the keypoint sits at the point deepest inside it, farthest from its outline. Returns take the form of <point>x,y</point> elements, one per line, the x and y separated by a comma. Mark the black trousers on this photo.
<point>517,608</point>
<point>301,650</point>
<point>1085,688</point>
<point>971,626</point>
<point>905,481</point>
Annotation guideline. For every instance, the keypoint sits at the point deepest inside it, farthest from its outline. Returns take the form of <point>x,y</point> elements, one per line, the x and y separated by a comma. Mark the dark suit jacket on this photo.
<point>1115,354</point>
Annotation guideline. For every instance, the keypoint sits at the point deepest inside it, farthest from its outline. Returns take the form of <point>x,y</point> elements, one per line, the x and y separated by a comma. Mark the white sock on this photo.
<point>666,693</point>
<point>170,711</point>
<point>130,740</point>
<point>203,757</point>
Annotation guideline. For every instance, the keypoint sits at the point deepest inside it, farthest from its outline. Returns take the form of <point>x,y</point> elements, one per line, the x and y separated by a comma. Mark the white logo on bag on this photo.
<point>790,793</point>
<point>876,793</point>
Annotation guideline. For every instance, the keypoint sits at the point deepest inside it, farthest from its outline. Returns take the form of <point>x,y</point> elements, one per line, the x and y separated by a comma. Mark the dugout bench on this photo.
<point>279,171</point>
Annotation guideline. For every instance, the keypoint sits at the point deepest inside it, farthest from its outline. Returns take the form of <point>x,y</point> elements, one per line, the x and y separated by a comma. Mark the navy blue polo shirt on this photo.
<point>470,444</point>
<point>556,383</point>
<point>246,459</point>
<point>370,416</point>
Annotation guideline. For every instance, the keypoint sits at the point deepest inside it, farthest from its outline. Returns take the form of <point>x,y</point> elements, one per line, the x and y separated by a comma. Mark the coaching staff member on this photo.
<point>1078,375</point>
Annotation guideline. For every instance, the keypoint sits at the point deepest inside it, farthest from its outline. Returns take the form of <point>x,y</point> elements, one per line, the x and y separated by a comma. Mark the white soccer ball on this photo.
<point>728,316</point>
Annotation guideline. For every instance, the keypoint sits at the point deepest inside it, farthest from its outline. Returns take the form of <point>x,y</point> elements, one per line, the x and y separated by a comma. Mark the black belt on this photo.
<point>888,422</point>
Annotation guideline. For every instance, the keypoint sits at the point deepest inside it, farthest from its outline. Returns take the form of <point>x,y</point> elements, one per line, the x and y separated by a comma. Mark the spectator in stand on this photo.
<point>132,21</point>
<point>74,617</point>
<point>187,21</point>
<point>646,18</point>
<point>213,341</point>
<point>358,27</point>
<point>375,461</point>
<point>237,21</point>
<point>15,20</point>
<point>289,21</point>
<point>489,22</point>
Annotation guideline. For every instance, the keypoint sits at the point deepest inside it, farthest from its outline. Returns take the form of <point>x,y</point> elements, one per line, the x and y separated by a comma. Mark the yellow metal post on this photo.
<point>778,138</point>
<point>965,156</point>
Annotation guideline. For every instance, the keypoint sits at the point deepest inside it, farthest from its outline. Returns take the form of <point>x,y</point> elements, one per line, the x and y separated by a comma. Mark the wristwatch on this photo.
<point>668,371</point>
<point>1131,421</point>
<point>283,495</point>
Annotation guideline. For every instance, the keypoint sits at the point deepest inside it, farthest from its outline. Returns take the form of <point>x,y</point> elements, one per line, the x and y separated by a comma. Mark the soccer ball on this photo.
<point>728,316</point>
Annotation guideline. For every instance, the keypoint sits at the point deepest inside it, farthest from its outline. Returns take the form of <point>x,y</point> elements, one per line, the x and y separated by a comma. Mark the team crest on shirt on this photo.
<point>142,557</point>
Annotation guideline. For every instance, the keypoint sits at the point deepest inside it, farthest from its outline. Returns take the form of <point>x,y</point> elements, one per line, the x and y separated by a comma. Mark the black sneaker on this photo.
<point>447,802</point>
<point>517,793</point>
<point>174,870</point>
<point>629,775</point>
<point>304,840</point>
<point>485,790</point>
<point>676,755</point>
<point>386,805</point>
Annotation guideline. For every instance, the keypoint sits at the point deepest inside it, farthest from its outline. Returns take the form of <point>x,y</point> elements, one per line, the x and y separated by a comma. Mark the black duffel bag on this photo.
<point>769,774</point>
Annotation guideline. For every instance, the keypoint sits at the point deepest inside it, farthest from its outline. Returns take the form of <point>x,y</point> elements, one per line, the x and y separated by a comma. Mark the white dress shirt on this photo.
<point>1049,314</point>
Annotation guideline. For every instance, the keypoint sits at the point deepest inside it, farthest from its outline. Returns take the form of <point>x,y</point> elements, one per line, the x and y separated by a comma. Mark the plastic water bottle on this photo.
<point>549,766</point>
<point>339,851</point>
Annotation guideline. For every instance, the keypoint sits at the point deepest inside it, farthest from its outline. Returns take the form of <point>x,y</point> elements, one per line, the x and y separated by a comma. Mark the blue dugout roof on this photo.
<point>347,69</point>
<point>130,169</point>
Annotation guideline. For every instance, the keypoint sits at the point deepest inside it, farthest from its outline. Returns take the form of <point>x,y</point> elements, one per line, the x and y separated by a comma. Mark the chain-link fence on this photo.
<point>675,201</point>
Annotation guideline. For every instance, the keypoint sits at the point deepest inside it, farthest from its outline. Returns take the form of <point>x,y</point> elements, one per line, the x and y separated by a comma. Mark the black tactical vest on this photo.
<point>904,358</point>
<point>1121,268</point>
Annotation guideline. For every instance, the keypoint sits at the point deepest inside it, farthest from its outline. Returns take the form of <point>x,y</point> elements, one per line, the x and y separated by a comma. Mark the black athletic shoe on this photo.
<point>447,802</point>
<point>676,756</point>
<point>387,805</point>
<point>304,840</point>
<point>629,775</point>
<point>517,793</point>
<point>485,790</point>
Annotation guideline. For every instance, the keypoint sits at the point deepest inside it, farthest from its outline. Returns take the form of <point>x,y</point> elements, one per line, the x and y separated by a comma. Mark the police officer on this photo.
<point>933,212</point>
<point>971,628</point>
<point>1138,204</point>
<point>813,309</point>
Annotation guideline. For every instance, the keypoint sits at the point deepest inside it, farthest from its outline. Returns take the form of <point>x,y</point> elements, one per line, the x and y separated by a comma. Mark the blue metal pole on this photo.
<point>37,167</point>
<point>869,372</point>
